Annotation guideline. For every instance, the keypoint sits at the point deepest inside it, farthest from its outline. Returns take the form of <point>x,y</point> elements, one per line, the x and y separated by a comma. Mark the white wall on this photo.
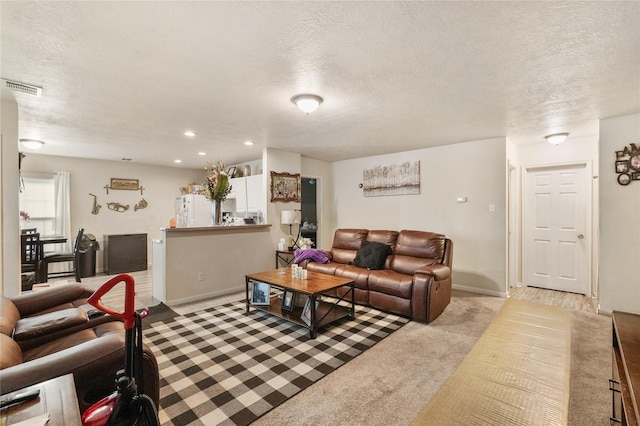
<point>619,220</point>
<point>162,186</point>
<point>9,212</point>
<point>472,169</point>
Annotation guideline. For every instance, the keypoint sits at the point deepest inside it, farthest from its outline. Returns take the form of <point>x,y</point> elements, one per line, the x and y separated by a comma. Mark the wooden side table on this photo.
<point>284,256</point>
<point>625,382</point>
<point>57,397</point>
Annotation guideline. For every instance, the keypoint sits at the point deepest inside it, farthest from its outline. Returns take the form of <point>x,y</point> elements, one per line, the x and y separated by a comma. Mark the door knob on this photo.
<point>580,236</point>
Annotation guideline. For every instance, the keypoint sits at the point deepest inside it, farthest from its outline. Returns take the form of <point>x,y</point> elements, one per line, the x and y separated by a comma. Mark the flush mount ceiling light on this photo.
<point>556,138</point>
<point>307,103</point>
<point>190,133</point>
<point>31,144</point>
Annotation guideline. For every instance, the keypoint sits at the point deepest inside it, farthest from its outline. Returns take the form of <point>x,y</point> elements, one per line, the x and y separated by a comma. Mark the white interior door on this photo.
<point>556,228</point>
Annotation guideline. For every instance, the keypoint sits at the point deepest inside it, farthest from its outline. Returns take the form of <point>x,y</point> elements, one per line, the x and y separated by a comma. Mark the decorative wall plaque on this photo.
<point>628,164</point>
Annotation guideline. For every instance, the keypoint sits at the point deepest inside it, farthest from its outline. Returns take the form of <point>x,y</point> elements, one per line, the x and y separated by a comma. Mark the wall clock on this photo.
<point>634,162</point>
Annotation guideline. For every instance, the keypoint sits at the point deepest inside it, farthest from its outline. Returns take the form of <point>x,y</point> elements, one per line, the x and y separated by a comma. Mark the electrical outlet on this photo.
<point>200,276</point>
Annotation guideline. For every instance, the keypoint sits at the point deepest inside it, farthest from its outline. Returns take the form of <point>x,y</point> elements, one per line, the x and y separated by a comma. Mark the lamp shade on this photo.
<point>290,217</point>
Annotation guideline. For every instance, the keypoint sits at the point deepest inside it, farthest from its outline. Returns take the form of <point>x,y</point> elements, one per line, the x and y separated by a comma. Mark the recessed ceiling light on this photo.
<point>190,133</point>
<point>177,161</point>
<point>202,153</point>
<point>248,143</point>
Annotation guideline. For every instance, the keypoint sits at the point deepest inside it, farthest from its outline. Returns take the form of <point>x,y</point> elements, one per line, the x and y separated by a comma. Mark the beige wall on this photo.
<point>475,170</point>
<point>321,170</point>
<point>9,212</point>
<point>279,161</point>
<point>619,220</point>
<point>162,186</point>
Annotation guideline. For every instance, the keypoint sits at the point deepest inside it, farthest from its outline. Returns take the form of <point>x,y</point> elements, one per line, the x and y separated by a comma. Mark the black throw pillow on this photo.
<point>371,255</point>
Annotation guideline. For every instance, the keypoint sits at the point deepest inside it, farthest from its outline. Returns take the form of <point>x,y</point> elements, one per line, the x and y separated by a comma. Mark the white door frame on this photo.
<point>513,228</point>
<point>588,219</point>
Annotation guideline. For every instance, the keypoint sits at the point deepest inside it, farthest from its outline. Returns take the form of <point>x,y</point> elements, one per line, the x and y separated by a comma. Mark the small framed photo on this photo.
<point>624,179</point>
<point>622,166</point>
<point>635,176</point>
<point>288,300</point>
<point>306,312</point>
<point>260,293</point>
<point>231,172</point>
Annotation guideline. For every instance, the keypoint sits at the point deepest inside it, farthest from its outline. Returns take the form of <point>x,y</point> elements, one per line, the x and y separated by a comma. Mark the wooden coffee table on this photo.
<point>322,312</point>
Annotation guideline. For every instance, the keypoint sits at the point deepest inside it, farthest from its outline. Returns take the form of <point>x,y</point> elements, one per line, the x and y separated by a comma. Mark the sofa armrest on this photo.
<point>93,364</point>
<point>439,272</point>
<point>431,292</point>
<point>36,301</point>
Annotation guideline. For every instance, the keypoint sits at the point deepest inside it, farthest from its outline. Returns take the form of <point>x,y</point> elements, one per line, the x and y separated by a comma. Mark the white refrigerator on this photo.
<point>196,208</point>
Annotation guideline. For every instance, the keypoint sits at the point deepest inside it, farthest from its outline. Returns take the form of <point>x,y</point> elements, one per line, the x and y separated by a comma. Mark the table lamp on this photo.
<point>291,217</point>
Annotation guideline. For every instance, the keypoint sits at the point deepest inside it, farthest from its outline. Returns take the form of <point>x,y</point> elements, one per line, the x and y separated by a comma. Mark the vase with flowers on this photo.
<point>217,188</point>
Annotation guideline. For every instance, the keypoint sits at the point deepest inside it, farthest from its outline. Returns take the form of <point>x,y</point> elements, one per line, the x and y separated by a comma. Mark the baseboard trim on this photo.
<point>200,297</point>
<point>479,290</point>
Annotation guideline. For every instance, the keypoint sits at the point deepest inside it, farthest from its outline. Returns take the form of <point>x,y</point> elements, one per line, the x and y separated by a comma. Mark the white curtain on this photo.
<point>61,183</point>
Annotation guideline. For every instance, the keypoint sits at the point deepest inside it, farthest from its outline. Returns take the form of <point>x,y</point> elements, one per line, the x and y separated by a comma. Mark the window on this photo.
<point>38,200</point>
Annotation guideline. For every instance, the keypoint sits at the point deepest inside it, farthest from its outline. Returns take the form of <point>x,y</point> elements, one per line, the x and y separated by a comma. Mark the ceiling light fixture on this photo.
<point>556,138</point>
<point>248,143</point>
<point>190,133</point>
<point>307,103</point>
<point>31,144</point>
<point>177,161</point>
<point>202,153</point>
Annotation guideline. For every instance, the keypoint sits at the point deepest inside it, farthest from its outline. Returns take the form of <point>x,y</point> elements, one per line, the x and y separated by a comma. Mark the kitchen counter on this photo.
<point>196,263</point>
<point>214,228</point>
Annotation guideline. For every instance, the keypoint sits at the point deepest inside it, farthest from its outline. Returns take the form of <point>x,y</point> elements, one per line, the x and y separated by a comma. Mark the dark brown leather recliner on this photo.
<point>415,280</point>
<point>57,337</point>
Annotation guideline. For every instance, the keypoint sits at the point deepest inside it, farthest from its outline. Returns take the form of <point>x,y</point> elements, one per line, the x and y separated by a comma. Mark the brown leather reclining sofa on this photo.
<point>415,279</point>
<point>53,332</point>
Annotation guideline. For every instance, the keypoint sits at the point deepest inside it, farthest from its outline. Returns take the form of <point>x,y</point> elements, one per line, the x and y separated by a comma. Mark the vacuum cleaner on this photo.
<point>128,405</point>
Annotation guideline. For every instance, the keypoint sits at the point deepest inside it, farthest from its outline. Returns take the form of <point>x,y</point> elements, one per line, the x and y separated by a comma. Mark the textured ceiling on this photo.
<point>126,79</point>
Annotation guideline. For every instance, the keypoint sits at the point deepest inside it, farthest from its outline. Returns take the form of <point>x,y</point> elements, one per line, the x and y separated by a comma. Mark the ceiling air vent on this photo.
<point>22,87</point>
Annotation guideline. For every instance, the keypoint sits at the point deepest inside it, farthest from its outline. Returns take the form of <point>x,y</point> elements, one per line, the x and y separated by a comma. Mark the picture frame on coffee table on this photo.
<point>260,294</point>
<point>306,311</point>
<point>288,300</point>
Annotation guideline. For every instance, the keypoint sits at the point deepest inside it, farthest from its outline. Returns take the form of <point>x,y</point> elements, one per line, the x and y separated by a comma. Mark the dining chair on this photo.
<point>29,258</point>
<point>72,257</point>
<point>28,230</point>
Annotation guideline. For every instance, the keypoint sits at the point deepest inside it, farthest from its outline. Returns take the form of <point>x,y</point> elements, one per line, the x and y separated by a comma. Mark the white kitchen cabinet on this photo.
<point>239,193</point>
<point>256,196</point>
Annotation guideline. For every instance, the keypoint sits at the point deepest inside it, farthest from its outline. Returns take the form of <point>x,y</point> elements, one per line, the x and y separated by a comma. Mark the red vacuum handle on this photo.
<point>128,316</point>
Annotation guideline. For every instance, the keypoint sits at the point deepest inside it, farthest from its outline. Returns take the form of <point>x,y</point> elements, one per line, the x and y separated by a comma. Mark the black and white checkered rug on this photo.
<point>223,366</point>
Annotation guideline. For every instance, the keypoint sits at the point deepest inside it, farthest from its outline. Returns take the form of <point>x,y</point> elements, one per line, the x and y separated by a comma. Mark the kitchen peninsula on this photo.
<point>195,263</point>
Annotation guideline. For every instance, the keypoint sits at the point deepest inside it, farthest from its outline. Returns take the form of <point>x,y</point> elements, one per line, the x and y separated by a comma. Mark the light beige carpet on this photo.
<point>391,382</point>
